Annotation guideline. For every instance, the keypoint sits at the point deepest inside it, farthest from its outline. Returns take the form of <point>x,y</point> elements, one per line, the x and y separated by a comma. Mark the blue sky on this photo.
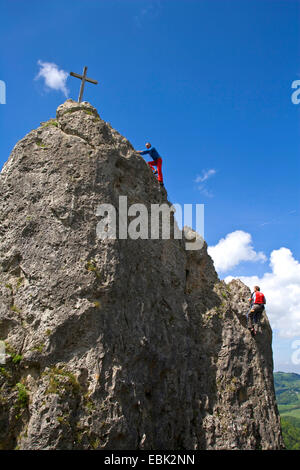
<point>208,82</point>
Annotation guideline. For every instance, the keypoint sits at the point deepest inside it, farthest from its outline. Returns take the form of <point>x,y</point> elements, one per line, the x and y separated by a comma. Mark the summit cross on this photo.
<point>83,79</point>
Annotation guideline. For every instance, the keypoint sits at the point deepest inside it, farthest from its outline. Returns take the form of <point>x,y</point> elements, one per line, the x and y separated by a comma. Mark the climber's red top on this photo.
<point>259,298</point>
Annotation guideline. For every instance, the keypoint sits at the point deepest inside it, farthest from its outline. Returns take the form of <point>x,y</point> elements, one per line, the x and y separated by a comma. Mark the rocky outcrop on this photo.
<point>116,343</point>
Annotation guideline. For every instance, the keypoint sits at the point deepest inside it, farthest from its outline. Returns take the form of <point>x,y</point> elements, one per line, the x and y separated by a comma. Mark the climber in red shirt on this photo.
<point>257,302</point>
<point>156,160</point>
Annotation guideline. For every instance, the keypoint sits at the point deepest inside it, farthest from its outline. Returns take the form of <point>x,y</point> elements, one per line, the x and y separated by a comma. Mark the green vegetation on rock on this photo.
<point>61,381</point>
<point>23,396</point>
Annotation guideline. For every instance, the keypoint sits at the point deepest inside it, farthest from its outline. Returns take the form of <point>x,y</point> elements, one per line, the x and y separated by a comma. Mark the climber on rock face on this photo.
<point>257,303</point>
<point>156,160</point>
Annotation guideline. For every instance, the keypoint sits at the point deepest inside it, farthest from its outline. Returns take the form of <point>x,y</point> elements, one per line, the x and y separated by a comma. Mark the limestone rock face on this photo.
<point>116,343</point>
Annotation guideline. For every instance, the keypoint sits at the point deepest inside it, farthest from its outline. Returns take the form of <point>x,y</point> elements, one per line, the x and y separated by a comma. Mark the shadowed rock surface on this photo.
<point>116,344</point>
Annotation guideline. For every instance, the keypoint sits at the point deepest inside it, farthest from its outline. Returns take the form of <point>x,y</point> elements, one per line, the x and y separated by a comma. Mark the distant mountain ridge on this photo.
<point>287,388</point>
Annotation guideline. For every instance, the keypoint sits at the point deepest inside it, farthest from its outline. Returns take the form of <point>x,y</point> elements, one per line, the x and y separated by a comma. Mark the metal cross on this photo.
<point>83,79</point>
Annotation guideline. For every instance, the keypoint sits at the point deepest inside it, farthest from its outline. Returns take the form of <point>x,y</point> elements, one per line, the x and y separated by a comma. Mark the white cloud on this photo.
<point>206,174</point>
<point>150,10</point>
<point>233,249</point>
<point>281,287</point>
<point>54,78</point>
<point>206,192</point>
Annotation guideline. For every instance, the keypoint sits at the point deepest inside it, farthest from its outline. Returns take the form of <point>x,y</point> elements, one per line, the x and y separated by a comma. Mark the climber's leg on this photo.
<point>257,315</point>
<point>152,164</point>
<point>253,317</point>
<point>159,165</point>
<point>250,319</point>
